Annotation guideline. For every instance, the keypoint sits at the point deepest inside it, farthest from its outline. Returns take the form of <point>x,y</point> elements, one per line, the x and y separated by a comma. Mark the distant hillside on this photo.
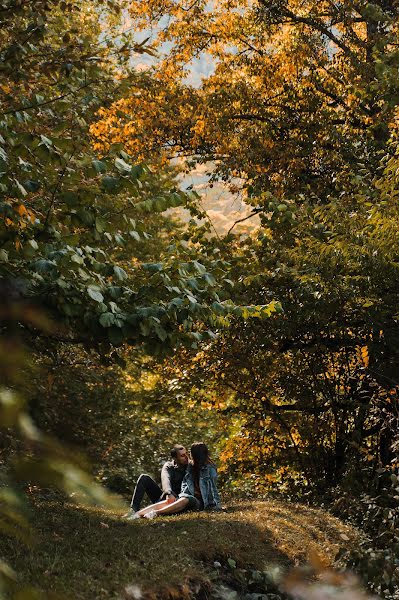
<point>222,206</point>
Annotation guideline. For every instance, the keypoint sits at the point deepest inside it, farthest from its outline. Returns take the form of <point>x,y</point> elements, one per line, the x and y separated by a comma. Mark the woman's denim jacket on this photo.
<point>207,484</point>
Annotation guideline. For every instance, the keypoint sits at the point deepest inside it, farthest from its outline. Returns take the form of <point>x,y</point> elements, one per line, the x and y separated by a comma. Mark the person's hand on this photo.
<point>171,498</point>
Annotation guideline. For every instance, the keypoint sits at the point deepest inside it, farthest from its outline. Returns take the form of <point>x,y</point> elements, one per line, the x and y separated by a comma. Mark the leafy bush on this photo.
<point>376,559</point>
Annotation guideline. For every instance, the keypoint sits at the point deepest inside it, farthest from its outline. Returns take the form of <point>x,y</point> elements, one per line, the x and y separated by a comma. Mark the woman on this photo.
<point>198,490</point>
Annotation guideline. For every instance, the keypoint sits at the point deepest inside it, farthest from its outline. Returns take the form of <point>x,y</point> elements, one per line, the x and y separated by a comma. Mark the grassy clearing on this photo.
<point>90,553</point>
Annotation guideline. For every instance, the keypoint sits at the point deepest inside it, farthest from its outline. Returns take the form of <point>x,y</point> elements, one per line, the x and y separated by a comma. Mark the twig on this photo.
<point>252,214</point>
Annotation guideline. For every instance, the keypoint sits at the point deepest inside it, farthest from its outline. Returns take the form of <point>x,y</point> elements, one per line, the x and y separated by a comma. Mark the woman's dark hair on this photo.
<point>200,455</point>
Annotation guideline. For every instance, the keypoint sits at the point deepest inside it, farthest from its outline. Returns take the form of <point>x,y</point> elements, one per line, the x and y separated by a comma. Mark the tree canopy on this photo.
<point>300,93</point>
<point>285,335</point>
<point>75,221</point>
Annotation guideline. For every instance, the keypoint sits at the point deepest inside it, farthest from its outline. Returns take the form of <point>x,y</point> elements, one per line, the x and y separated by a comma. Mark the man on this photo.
<point>172,475</point>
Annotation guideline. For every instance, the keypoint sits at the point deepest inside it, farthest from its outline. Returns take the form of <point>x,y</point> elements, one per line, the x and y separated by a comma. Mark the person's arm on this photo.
<point>166,483</point>
<point>214,476</point>
<point>187,485</point>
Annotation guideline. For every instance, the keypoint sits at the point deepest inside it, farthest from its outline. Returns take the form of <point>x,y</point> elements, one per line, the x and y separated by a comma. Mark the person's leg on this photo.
<point>173,508</point>
<point>155,506</point>
<point>145,485</point>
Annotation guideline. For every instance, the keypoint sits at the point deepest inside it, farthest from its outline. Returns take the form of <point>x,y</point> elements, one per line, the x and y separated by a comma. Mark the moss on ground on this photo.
<point>86,553</point>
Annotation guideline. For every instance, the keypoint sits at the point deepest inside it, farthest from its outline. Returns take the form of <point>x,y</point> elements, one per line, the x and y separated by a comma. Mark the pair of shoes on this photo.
<point>131,515</point>
<point>151,514</point>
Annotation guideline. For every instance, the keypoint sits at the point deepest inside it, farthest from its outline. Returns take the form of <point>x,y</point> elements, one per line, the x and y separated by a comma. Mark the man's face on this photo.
<point>182,457</point>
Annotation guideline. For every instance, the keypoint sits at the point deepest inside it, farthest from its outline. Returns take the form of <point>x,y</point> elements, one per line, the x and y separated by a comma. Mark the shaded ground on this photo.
<point>90,553</point>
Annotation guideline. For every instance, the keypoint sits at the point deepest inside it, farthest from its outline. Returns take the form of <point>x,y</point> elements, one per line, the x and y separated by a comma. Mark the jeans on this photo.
<point>194,503</point>
<point>145,485</point>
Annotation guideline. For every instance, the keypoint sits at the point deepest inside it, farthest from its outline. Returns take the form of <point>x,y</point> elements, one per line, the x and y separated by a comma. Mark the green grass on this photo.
<point>91,554</point>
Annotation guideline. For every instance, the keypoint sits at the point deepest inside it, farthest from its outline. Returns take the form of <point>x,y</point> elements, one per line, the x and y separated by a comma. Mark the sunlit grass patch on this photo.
<point>93,553</point>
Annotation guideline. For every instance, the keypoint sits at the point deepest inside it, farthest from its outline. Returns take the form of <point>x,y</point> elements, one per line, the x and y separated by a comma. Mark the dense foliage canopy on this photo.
<point>284,341</point>
<point>301,107</point>
<point>300,93</point>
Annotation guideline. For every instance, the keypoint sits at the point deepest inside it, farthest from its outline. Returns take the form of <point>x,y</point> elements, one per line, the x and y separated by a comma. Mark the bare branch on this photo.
<point>252,214</point>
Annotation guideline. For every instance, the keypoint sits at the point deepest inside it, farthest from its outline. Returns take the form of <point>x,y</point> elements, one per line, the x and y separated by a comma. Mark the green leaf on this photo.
<point>99,166</point>
<point>85,216</point>
<point>31,186</point>
<point>152,267</point>
<point>84,275</point>
<point>30,248</point>
<point>3,155</point>
<point>77,259</point>
<point>161,333</point>
<point>120,273</point>
<point>45,141</point>
<point>94,293</point>
<point>115,292</point>
<point>136,171</point>
<point>192,283</point>
<point>119,239</point>
<point>122,166</point>
<point>145,328</point>
<point>218,308</point>
<point>176,200</point>
<point>20,187</point>
<point>107,319</point>
<point>135,235</point>
<point>199,267</point>
<point>210,280</point>
<point>45,266</point>
<point>110,184</point>
<point>101,224</point>
<point>177,302</point>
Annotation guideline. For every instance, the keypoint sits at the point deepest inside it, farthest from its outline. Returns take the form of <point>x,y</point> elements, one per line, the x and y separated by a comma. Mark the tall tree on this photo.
<point>73,220</point>
<point>314,390</point>
<point>83,236</point>
<point>300,94</point>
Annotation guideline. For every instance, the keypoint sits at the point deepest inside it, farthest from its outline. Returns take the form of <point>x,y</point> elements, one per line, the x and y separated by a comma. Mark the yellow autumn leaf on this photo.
<point>21,210</point>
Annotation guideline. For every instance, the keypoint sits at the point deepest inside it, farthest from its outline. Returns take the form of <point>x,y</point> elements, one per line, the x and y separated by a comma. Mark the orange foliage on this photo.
<point>242,112</point>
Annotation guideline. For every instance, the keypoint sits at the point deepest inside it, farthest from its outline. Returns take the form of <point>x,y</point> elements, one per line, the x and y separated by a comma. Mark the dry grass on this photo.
<point>90,553</point>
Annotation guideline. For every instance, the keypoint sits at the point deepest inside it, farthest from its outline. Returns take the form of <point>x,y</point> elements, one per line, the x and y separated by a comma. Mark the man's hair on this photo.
<point>176,448</point>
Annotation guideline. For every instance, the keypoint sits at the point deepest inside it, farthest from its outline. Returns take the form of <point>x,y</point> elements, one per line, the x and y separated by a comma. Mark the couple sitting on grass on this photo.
<point>186,485</point>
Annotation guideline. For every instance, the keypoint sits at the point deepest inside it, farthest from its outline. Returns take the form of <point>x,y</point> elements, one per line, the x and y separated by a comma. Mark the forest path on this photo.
<point>87,553</point>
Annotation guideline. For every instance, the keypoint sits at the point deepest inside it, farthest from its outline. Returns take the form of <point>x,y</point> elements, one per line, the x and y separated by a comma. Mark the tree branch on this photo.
<point>252,214</point>
<point>50,101</point>
<point>323,29</point>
